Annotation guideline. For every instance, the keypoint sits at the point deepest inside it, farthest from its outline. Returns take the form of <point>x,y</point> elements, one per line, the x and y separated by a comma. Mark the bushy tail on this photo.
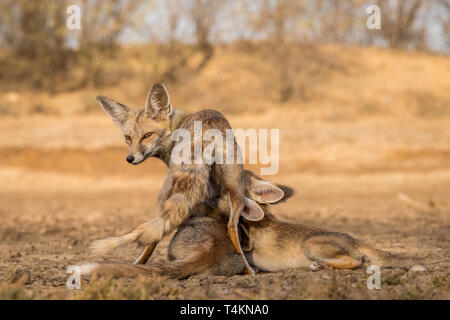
<point>118,270</point>
<point>190,187</point>
<point>386,259</point>
<point>149,231</point>
<point>198,262</point>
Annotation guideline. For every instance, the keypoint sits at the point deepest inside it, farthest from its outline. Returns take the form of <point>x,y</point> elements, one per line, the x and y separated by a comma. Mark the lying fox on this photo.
<point>201,246</point>
<point>148,132</point>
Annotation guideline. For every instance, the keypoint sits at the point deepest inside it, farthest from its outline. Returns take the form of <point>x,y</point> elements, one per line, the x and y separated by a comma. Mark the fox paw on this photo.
<point>315,266</point>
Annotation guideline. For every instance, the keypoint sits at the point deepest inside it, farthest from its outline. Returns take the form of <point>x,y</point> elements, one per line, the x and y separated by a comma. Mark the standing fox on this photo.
<point>148,132</point>
<point>201,246</point>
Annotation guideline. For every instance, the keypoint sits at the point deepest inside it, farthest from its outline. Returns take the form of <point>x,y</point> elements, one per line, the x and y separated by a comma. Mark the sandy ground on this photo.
<point>64,183</point>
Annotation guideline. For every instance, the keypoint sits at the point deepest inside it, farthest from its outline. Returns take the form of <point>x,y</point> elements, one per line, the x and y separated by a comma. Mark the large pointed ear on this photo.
<point>117,111</point>
<point>158,104</point>
<point>263,191</point>
<point>288,192</point>
<point>252,211</point>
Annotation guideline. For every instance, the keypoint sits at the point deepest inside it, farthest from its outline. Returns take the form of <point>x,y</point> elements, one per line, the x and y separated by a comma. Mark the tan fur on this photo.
<point>148,133</point>
<point>200,246</point>
<point>271,245</point>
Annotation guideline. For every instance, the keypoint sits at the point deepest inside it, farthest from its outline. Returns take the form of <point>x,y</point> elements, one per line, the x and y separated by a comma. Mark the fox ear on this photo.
<point>288,192</point>
<point>117,111</point>
<point>158,103</point>
<point>252,211</point>
<point>263,191</point>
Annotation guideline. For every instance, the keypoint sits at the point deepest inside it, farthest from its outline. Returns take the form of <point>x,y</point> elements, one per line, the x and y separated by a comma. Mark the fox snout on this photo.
<point>135,158</point>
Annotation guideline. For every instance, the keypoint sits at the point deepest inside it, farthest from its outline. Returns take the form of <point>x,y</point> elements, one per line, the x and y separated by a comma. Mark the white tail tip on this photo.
<point>103,246</point>
<point>87,268</point>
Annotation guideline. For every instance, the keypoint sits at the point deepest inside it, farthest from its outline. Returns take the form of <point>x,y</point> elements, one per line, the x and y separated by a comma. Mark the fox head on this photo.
<point>146,131</point>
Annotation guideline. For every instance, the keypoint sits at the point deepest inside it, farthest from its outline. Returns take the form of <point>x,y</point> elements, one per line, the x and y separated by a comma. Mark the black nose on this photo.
<point>130,159</point>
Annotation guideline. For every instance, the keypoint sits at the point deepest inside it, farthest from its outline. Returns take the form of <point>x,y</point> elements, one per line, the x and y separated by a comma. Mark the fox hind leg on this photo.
<point>343,262</point>
<point>188,188</point>
<point>331,253</point>
<point>232,179</point>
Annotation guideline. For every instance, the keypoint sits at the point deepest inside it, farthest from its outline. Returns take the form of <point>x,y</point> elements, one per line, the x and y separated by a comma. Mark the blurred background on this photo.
<point>267,51</point>
<point>364,115</point>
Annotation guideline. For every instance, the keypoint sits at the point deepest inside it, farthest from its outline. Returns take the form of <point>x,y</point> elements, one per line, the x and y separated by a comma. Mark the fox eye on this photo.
<point>147,135</point>
<point>128,138</point>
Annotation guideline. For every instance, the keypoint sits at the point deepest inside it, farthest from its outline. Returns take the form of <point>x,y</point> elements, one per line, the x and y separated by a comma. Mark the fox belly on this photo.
<point>270,256</point>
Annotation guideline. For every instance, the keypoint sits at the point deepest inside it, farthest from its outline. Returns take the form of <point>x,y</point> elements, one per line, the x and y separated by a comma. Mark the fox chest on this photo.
<point>269,254</point>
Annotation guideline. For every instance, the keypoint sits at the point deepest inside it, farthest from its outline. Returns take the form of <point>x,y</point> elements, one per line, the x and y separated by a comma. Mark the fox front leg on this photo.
<point>157,228</point>
<point>145,255</point>
<point>184,187</point>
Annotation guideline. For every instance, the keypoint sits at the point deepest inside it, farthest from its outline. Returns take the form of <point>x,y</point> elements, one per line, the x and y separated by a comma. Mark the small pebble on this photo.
<point>314,266</point>
<point>326,277</point>
<point>418,268</point>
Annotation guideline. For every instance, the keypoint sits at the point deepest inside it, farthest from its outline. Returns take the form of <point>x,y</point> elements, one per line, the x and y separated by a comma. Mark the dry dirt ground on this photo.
<point>65,182</point>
